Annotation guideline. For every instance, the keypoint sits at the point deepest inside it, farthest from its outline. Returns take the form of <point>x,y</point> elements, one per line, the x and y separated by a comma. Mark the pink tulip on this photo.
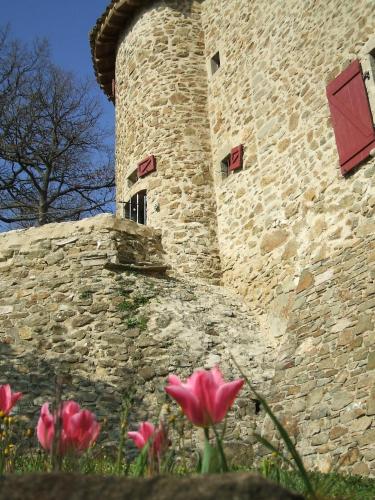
<point>8,398</point>
<point>146,432</point>
<point>205,398</point>
<point>79,429</point>
<point>45,429</point>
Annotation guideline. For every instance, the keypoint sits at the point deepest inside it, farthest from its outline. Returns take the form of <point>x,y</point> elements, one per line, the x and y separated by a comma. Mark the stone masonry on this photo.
<point>163,111</point>
<point>76,300</point>
<point>325,376</point>
<point>295,237</point>
<point>115,305</point>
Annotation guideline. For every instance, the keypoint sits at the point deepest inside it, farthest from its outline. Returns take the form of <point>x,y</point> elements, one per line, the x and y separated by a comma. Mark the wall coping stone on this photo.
<point>24,238</point>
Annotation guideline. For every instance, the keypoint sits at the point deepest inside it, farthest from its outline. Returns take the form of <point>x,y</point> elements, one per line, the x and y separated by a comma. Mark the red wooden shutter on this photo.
<point>351,117</point>
<point>236,156</point>
<point>147,166</point>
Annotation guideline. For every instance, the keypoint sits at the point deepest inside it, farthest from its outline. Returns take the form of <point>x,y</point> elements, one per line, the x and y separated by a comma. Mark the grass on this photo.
<point>327,486</point>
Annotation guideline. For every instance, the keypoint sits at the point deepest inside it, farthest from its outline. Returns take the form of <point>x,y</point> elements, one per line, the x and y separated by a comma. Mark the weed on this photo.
<point>134,303</point>
<point>137,322</point>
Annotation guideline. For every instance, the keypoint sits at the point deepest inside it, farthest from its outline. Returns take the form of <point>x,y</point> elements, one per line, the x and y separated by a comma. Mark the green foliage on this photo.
<point>327,486</point>
<point>122,465</point>
<point>134,303</point>
<point>137,322</point>
<point>131,306</point>
<point>211,462</point>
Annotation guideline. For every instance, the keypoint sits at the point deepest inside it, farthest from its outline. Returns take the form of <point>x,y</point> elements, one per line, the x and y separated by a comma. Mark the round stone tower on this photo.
<point>149,59</point>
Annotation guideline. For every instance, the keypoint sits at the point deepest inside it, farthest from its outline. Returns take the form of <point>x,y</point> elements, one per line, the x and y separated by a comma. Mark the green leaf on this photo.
<point>141,462</point>
<point>211,462</point>
<point>271,447</point>
<point>223,460</point>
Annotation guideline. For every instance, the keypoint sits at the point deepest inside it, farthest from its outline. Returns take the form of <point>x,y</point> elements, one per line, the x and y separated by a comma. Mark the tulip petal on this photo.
<point>225,396</point>
<point>138,439</point>
<point>5,398</point>
<point>15,397</point>
<point>205,392</point>
<point>174,380</point>
<point>81,430</point>
<point>147,430</point>
<point>46,428</point>
<point>217,376</point>
<point>188,402</point>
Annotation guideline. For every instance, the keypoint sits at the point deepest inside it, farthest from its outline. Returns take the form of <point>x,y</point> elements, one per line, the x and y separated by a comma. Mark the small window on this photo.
<point>132,178</point>
<point>257,406</point>
<point>136,208</point>
<point>224,166</point>
<point>215,63</point>
<point>372,63</point>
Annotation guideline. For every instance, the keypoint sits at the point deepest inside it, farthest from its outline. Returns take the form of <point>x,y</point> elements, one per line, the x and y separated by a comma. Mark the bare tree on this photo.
<point>55,164</point>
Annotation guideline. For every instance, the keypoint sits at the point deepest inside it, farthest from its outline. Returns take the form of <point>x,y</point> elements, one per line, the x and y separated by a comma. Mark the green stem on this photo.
<point>224,463</point>
<point>207,433</point>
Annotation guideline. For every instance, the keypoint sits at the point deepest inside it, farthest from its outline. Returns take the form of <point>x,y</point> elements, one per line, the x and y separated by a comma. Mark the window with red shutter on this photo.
<point>147,166</point>
<point>351,117</point>
<point>236,157</point>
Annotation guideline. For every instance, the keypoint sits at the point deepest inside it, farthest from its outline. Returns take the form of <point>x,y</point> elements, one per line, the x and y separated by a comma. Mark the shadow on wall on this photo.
<point>36,378</point>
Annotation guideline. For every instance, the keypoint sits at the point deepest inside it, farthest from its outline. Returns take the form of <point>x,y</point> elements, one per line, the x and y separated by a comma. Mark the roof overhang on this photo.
<point>104,37</point>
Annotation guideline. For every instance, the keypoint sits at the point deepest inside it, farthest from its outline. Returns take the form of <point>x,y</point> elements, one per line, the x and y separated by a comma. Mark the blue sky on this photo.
<point>66,24</point>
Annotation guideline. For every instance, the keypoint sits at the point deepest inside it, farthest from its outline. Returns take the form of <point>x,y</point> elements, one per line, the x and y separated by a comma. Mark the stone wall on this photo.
<point>161,109</point>
<point>289,207</point>
<point>78,299</point>
<point>72,304</point>
<point>325,376</point>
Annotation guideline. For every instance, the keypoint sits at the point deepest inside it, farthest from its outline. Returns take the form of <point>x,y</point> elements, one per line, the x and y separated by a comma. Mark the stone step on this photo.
<point>140,267</point>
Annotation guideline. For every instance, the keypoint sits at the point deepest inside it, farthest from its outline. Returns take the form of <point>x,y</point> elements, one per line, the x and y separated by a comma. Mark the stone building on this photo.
<point>226,117</point>
<point>193,80</point>
<point>245,140</point>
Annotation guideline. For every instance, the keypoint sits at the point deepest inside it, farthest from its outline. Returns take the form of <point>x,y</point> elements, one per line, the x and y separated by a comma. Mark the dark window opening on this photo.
<point>372,62</point>
<point>133,178</point>
<point>224,165</point>
<point>257,406</point>
<point>136,208</point>
<point>215,63</point>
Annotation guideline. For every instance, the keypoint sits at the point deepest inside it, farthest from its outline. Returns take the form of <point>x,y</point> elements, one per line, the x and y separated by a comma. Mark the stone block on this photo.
<point>240,486</point>
<point>6,310</point>
<point>371,361</point>
<point>305,281</point>
<point>341,399</point>
<point>273,240</point>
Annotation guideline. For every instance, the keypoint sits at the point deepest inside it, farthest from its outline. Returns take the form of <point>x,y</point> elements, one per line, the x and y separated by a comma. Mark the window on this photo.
<point>236,158</point>
<point>224,166</point>
<point>215,63</point>
<point>232,162</point>
<point>257,406</point>
<point>132,178</point>
<point>351,117</point>
<point>372,63</point>
<point>136,208</point>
